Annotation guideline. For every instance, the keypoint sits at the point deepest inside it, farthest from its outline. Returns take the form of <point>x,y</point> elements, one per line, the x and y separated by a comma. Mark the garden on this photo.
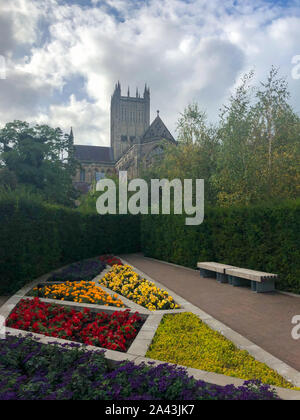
<point>124,280</point>
<point>81,305</point>
<point>111,331</point>
<point>185,340</point>
<point>31,370</point>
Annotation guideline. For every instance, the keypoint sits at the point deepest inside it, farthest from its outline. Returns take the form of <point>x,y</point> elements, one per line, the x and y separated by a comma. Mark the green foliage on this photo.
<point>8,179</point>
<point>38,237</point>
<point>185,340</point>
<point>41,157</point>
<point>194,156</point>
<point>259,144</point>
<point>249,156</point>
<point>88,201</point>
<point>264,237</point>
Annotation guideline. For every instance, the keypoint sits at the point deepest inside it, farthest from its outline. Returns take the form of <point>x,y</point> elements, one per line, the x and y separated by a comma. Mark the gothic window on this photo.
<point>124,138</point>
<point>132,138</point>
<point>82,175</point>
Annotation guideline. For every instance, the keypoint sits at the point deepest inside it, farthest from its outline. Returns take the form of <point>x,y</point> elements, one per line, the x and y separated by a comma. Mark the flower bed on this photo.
<point>123,280</point>
<point>33,371</point>
<point>110,260</point>
<point>112,331</point>
<point>185,340</point>
<point>81,292</point>
<point>82,270</point>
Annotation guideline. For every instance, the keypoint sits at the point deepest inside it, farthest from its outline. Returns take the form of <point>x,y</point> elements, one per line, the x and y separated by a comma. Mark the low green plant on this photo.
<point>185,340</point>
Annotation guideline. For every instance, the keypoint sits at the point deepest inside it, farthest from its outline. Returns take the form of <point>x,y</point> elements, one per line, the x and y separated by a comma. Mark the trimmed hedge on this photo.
<point>256,237</point>
<point>36,238</point>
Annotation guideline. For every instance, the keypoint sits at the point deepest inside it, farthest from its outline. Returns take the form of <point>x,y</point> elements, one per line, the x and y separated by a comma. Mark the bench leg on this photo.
<point>207,273</point>
<point>253,286</point>
<point>238,282</point>
<point>266,286</point>
<point>222,278</point>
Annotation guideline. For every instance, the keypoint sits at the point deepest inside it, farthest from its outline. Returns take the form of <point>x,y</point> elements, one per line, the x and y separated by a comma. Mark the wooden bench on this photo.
<point>260,282</point>
<point>214,270</point>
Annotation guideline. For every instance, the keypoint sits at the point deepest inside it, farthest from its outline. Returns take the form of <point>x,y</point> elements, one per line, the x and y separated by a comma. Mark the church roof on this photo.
<point>157,130</point>
<point>93,153</point>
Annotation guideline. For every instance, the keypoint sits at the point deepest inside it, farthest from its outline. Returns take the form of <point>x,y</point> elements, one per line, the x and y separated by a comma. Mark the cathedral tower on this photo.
<point>129,119</point>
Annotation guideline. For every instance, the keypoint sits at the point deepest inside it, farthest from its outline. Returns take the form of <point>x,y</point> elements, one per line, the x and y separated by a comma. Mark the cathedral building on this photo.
<point>134,142</point>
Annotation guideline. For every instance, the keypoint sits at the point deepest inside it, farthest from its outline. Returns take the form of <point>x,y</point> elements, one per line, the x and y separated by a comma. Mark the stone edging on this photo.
<point>145,336</point>
<point>287,293</point>
<point>281,292</point>
<point>289,373</point>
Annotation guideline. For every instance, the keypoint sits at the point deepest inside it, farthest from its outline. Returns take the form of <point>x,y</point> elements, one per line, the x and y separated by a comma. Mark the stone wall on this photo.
<point>130,118</point>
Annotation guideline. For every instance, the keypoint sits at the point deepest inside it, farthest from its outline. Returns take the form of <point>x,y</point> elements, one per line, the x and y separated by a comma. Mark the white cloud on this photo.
<point>185,51</point>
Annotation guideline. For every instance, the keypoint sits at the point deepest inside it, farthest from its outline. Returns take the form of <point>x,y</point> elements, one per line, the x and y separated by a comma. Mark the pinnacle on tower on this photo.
<point>117,91</point>
<point>71,136</point>
<point>146,91</point>
<point>128,92</point>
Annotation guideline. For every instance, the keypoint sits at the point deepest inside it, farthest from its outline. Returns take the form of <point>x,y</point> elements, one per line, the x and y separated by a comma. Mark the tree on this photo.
<point>41,157</point>
<point>259,144</point>
<point>194,156</point>
<point>8,179</point>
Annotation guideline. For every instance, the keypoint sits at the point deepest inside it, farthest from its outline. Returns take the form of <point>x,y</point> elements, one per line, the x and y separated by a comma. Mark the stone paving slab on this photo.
<point>264,319</point>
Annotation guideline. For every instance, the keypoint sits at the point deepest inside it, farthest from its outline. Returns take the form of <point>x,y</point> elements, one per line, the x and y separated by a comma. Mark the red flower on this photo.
<point>101,329</point>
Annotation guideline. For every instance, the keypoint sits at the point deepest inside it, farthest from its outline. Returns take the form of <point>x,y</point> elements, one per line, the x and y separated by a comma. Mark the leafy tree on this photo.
<point>194,156</point>
<point>41,158</point>
<point>251,155</point>
<point>259,144</point>
<point>8,179</point>
<point>233,178</point>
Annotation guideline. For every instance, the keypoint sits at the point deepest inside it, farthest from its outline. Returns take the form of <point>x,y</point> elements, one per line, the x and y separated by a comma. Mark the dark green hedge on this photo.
<point>264,238</point>
<point>36,238</point>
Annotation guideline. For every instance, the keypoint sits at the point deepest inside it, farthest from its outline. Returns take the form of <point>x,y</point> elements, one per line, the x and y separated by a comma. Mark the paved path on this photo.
<point>265,319</point>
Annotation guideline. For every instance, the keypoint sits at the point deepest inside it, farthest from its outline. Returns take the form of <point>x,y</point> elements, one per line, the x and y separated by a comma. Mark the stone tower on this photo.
<point>129,119</point>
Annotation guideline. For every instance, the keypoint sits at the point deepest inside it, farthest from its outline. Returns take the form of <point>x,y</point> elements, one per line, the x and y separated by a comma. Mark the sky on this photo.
<point>60,59</point>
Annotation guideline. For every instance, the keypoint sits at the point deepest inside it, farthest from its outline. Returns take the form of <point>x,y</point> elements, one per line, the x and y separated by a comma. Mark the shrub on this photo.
<point>30,370</point>
<point>185,340</point>
<point>262,238</point>
<point>37,238</point>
